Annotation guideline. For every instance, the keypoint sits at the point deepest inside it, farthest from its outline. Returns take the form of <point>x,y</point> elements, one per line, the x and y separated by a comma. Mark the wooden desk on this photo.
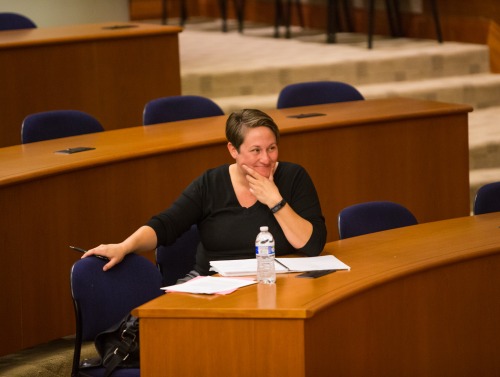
<point>418,301</point>
<point>108,71</point>
<point>413,152</point>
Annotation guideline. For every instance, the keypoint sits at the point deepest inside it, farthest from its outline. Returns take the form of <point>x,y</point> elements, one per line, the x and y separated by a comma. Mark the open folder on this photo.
<point>243,267</point>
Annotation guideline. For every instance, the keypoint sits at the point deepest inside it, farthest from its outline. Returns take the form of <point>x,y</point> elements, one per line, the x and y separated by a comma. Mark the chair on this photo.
<point>371,217</point>
<point>393,15</point>
<point>317,93</point>
<point>56,124</point>
<point>15,21</point>
<point>176,260</point>
<point>174,108</point>
<point>487,199</point>
<point>101,299</point>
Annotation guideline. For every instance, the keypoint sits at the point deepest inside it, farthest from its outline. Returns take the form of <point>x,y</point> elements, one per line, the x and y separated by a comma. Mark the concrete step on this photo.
<point>478,90</point>
<point>260,66</point>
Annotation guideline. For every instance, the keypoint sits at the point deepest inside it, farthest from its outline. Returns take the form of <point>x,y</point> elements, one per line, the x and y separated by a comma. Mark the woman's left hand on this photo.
<point>263,188</point>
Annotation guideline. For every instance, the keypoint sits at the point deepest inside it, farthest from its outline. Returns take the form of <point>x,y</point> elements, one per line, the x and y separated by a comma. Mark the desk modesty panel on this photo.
<point>409,151</point>
<point>418,301</point>
<point>109,70</point>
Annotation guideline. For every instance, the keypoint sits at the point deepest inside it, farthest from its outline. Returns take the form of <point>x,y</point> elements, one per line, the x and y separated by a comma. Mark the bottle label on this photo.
<point>264,251</point>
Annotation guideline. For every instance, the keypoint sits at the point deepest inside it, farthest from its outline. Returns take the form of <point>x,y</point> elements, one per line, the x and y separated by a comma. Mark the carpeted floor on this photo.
<point>53,359</point>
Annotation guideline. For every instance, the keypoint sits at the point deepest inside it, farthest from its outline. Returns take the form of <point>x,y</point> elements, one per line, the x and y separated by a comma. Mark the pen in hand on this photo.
<point>79,249</point>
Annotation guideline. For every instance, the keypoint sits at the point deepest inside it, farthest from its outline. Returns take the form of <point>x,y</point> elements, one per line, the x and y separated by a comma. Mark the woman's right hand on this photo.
<point>114,252</point>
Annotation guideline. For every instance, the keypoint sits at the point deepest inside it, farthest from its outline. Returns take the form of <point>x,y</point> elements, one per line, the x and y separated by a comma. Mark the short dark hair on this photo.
<point>239,121</point>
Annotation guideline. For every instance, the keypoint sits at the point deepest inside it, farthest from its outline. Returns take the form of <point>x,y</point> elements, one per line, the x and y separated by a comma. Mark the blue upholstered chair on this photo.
<point>102,299</point>
<point>14,21</point>
<point>56,124</point>
<point>174,108</point>
<point>176,260</point>
<point>317,93</point>
<point>487,199</point>
<point>371,217</point>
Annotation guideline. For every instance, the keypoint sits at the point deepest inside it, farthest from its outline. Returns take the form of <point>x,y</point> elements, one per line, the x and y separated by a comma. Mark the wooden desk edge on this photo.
<point>87,32</point>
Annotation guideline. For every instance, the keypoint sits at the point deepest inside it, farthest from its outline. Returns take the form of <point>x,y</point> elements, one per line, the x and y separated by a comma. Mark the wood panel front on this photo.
<point>409,151</point>
<point>109,73</point>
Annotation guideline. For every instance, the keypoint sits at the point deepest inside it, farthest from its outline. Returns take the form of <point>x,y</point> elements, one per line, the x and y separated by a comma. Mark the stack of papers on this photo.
<point>210,285</point>
<point>243,267</point>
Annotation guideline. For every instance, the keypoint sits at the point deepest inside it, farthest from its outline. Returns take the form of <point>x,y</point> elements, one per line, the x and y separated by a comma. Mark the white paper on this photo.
<point>243,267</point>
<point>210,285</point>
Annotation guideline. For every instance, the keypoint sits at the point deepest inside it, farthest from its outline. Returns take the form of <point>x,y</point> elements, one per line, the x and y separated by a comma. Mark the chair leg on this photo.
<point>371,22</point>
<point>239,6</point>
<point>331,27</point>
<point>300,14</point>
<point>223,13</point>
<point>278,17</point>
<point>164,15</point>
<point>347,16</point>
<point>393,17</point>
<point>184,13</point>
<point>288,18</point>
<point>437,24</point>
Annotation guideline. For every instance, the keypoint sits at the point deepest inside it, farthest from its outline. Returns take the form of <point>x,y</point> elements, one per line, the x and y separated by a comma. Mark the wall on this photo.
<point>66,12</point>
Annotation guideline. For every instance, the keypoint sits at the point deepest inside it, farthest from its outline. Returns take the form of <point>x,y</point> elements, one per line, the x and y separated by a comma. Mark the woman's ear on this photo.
<point>232,150</point>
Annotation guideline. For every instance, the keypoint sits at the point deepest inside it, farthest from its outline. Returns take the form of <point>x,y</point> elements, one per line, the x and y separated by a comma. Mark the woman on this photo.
<point>230,203</point>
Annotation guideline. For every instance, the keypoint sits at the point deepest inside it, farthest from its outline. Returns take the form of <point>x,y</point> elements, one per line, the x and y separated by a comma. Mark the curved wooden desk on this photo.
<point>418,301</point>
<point>409,151</point>
<point>109,70</point>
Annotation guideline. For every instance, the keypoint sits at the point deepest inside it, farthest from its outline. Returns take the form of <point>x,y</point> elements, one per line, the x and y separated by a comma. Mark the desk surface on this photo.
<point>25,162</point>
<point>374,260</point>
<point>420,300</point>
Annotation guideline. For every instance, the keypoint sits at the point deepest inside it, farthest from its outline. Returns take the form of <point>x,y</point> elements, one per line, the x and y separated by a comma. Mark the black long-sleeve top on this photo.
<point>228,230</point>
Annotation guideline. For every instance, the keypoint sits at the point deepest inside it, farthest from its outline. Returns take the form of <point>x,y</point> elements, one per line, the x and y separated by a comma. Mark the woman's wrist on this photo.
<point>278,206</point>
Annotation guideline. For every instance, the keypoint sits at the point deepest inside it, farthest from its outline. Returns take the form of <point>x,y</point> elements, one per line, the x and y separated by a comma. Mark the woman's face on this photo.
<point>258,151</point>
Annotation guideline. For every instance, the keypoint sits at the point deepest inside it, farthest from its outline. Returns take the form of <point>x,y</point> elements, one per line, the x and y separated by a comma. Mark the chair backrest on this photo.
<point>176,260</point>
<point>56,124</point>
<point>101,299</point>
<point>14,21</point>
<point>487,199</point>
<point>174,108</point>
<point>371,217</point>
<point>317,93</point>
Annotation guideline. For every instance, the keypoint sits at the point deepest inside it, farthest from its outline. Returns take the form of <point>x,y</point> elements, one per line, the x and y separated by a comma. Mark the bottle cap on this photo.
<point>264,228</point>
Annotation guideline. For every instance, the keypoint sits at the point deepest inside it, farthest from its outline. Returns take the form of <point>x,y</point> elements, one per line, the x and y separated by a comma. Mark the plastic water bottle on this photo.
<point>264,252</point>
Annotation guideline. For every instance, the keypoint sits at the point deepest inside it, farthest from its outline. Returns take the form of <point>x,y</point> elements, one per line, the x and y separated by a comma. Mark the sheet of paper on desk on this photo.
<point>243,267</point>
<point>323,262</point>
<point>210,285</point>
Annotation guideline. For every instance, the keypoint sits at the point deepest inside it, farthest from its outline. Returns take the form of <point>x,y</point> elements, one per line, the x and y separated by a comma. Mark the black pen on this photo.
<point>281,264</point>
<point>79,249</point>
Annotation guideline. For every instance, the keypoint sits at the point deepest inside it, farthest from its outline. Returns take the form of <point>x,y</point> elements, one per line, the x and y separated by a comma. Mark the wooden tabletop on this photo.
<point>25,162</point>
<point>374,259</point>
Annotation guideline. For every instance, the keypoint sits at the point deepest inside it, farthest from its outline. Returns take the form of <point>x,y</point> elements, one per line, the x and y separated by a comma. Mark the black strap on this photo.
<point>128,344</point>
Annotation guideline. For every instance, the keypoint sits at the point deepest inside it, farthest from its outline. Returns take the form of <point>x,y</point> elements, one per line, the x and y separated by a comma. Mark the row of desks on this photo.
<point>409,151</point>
<point>418,301</point>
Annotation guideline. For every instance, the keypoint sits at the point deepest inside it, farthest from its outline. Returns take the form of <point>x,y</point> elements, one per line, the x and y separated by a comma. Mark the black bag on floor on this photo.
<point>118,346</point>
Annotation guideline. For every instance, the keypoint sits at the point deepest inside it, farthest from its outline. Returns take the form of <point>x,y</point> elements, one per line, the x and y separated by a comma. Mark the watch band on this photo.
<point>278,206</point>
